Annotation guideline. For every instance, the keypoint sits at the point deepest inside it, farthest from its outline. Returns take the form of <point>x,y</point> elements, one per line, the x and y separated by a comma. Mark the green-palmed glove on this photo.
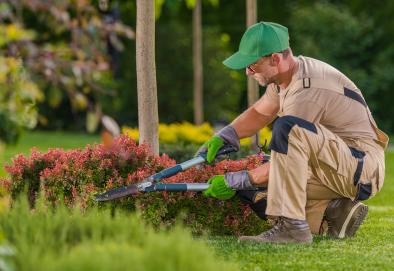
<point>212,147</point>
<point>218,188</point>
<point>227,136</point>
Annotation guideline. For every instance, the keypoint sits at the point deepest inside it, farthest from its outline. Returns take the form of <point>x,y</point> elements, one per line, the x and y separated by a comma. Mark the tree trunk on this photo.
<point>253,87</point>
<point>148,117</point>
<point>197,65</point>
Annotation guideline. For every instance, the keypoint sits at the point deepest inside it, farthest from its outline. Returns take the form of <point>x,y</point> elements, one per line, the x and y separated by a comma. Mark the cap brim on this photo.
<point>239,61</point>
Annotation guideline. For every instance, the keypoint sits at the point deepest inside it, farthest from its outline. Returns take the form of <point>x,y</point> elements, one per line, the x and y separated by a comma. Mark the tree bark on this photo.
<point>148,117</point>
<point>197,65</point>
<point>253,87</point>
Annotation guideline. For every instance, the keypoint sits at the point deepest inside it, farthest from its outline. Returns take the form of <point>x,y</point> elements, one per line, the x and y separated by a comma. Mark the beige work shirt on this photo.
<point>340,114</point>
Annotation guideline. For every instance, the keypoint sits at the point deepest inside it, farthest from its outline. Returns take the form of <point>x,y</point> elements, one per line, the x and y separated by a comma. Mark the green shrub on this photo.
<point>64,240</point>
<point>77,176</point>
<point>18,93</point>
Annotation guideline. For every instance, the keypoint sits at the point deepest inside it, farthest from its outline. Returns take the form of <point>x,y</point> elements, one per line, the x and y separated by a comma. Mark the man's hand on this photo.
<point>210,148</point>
<point>225,186</point>
<point>227,136</point>
<point>218,188</point>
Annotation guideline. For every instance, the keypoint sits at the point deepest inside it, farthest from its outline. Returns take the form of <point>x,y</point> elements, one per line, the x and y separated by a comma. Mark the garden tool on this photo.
<point>148,184</point>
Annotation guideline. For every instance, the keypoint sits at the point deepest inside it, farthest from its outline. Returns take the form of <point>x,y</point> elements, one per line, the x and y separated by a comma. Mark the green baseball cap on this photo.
<point>259,40</point>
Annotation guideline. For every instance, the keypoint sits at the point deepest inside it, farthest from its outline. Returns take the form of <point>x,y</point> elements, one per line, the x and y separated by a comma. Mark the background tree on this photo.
<point>197,65</point>
<point>253,86</point>
<point>198,79</point>
<point>175,68</point>
<point>18,97</point>
<point>351,44</point>
<point>146,75</point>
<point>18,93</point>
<point>67,54</point>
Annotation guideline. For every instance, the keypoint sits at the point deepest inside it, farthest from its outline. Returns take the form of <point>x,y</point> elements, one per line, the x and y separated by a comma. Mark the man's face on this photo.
<point>264,73</point>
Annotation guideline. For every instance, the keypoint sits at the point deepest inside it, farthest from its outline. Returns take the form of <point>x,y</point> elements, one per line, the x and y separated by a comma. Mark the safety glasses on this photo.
<point>254,70</point>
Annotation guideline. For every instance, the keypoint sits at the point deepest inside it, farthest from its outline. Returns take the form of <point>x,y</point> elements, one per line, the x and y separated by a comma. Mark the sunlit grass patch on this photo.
<point>371,249</point>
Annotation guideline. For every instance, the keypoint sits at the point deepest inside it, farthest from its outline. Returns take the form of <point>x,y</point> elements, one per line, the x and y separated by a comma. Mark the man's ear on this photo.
<point>275,59</point>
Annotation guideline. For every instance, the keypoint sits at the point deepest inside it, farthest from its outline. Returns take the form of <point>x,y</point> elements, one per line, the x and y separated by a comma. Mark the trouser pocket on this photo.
<point>332,153</point>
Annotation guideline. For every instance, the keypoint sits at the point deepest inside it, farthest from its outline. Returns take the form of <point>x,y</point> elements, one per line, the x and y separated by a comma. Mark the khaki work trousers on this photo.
<point>318,197</point>
<point>310,166</point>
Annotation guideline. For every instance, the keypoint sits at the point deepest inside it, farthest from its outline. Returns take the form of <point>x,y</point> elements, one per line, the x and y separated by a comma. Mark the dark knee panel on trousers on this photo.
<point>281,130</point>
<point>364,191</point>
<point>247,197</point>
<point>360,156</point>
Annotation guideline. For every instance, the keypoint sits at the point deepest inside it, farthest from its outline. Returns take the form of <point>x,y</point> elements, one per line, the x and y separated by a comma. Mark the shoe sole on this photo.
<point>357,222</point>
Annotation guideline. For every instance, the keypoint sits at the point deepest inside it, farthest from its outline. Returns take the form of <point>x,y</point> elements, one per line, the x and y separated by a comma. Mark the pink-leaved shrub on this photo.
<point>77,176</point>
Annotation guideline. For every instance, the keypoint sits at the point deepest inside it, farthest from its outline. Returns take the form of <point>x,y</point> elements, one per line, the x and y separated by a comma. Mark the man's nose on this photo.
<point>248,71</point>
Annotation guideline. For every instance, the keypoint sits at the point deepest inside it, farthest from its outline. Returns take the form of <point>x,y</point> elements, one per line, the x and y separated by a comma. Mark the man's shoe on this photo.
<point>283,232</point>
<point>344,216</point>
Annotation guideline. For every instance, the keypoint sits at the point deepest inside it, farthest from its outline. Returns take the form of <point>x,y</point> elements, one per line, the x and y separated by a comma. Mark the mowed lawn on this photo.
<point>371,249</point>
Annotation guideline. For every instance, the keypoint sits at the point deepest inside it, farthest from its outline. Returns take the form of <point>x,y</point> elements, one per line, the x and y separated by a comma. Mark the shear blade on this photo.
<point>122,191</point>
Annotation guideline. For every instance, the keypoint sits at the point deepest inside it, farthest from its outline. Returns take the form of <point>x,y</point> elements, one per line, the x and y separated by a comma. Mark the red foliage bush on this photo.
<point>77,176</point>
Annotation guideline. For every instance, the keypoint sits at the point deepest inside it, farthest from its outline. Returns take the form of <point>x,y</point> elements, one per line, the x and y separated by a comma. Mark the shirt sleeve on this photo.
<point>272,94</point>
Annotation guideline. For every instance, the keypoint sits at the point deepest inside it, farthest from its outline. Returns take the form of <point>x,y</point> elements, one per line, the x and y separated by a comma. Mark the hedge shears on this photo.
<point>152,183</point>
<point>149,184</point>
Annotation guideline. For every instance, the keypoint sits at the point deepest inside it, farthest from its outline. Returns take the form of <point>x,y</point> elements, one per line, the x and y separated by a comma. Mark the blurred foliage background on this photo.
<point>81,55</point>
<point>351,35</point>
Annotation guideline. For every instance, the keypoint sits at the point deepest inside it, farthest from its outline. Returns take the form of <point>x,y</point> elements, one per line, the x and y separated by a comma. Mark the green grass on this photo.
<point>43,141</point>
<point>371,249</point>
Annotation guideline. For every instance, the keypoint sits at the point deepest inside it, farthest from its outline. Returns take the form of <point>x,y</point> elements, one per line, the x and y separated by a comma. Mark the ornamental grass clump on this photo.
<point>75,177</point>
<point>97,240</point>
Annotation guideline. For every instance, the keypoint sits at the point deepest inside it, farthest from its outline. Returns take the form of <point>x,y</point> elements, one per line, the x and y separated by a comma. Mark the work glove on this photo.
<point>226,136</point>
<point>225,186</point>
<point>218,188</point>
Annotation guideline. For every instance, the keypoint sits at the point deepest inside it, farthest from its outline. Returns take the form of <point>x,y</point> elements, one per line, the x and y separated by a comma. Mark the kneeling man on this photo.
<point>327,154</point>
